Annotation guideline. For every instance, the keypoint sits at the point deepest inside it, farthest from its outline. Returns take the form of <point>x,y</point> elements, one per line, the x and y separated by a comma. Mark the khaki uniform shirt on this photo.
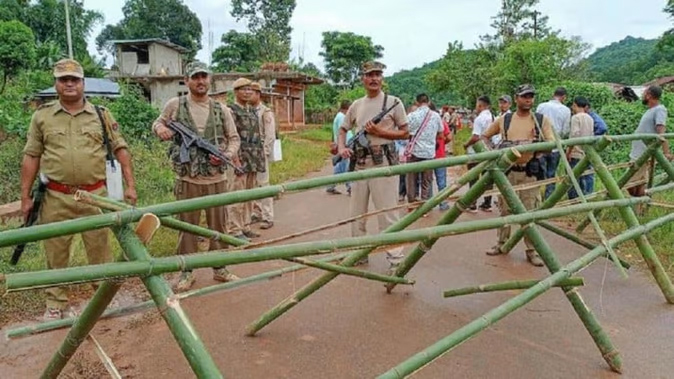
<point>268,127</point>
<point>200,110</point>
<point>365,108</point>
<point>582,125</point>
<point>71,145</point>
<point>521,129</point>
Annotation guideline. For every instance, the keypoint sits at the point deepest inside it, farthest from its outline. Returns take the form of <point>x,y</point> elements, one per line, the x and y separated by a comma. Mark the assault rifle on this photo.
<point>361,137</point>
<point>38,195</point>
<point>188,139</point>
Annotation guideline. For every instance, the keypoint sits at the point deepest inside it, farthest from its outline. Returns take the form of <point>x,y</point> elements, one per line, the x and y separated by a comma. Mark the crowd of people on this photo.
<point>71,144</point>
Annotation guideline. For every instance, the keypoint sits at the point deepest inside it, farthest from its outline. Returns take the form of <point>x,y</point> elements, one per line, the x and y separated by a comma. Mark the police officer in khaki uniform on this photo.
<point>251,157</point>
<point>65,144</point>
<point>204,175</point>
<point>263,210</point>
<point>382,151</point>
<point>521,127</point>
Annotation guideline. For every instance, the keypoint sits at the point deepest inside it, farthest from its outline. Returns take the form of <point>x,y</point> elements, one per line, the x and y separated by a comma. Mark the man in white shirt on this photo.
<point>482,121</point>
<point>560,115</point>
<point>425,128</point>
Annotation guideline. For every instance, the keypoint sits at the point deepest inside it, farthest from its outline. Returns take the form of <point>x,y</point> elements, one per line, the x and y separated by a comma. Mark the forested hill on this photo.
<point>624,61</point>
<point>407,84</point>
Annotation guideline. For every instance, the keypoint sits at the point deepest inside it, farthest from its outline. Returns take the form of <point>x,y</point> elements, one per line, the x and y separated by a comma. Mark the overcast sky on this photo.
<point>414,32</point>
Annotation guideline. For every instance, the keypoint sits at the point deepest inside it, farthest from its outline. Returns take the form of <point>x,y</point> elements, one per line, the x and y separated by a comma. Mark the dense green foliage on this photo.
<point>407,84</point>
<point>17,49</point>
<point>344,53</point>
<point>623,62</point>
<point>167,19</point>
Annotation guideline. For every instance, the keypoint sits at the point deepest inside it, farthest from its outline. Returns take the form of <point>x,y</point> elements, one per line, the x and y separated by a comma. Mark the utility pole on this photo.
<point>536,25</point>
<point>70,41</point>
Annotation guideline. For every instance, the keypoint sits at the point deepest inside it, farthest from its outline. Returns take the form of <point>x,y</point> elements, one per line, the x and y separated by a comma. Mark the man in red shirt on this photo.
<point>441,173</point>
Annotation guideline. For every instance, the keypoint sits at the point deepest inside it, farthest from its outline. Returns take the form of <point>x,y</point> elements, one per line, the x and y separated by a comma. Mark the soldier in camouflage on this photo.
<point>263,209</point>
<point>203,174</point>
<point>251,157</point>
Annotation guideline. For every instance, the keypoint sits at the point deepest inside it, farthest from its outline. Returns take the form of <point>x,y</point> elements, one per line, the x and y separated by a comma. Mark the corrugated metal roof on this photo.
<point>92,87</point>
<point>160,41</point>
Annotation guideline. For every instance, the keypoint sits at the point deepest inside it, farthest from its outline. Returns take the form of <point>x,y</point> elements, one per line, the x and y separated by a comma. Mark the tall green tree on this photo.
<point>167,19</point>
<point>344,53</point>
<point>47,19</point>
<point>238,52</point>
<point>517,20</point>
<point>17,50</point>
<point>269,22</point>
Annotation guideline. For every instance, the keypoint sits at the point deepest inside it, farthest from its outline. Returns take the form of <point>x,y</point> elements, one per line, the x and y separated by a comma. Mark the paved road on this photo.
<point>353,329</point>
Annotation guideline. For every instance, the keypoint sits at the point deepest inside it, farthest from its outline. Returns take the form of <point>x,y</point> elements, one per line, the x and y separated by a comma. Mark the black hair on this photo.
<point>484,99</point>
<point>560,91</point>
<point>422,98</point>
<point>345,104</point>
<point>655,91</point>
<point>581,101</point>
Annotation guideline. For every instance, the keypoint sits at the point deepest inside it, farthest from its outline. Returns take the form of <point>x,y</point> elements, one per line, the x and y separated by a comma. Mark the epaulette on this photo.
<point>47,105</point>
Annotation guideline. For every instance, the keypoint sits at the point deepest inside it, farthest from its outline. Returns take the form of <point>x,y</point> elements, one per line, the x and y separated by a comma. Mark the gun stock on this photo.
<point>38,195</point>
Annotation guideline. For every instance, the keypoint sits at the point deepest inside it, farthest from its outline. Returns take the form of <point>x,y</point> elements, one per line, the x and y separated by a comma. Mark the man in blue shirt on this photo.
<point>343,165</point>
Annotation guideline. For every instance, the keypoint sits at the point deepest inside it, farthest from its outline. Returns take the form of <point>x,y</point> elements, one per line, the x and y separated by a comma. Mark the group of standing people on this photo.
<point>70,139</point>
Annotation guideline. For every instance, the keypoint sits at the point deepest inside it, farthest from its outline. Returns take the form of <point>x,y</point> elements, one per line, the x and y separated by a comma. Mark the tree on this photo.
<point>517,20</point>
<point>239,52</point>
<point>167,19</point>
<point>17,50</point>
<point>344,53</point>
<point>269,22</point>
<point>47,19</point>
<point>539,62</point>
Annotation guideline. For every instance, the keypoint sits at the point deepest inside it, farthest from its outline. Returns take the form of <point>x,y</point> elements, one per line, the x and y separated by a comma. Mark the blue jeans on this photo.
<point>551,163</point>
<point>441,181</point>
<point>583,182</point>
<point>340,168</point>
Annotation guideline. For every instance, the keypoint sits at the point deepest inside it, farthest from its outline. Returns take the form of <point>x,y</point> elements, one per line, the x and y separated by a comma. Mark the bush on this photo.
<point>599,95</point>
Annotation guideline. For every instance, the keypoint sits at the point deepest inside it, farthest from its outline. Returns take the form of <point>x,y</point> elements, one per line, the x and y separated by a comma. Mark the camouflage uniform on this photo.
<point>252,161</point>
<point>263,209</point>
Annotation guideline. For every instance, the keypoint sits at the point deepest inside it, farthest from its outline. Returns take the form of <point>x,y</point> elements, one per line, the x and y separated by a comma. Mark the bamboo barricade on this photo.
<point>490,170</point>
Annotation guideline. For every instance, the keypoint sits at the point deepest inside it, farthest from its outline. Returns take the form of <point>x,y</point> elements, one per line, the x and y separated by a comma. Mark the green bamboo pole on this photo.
<point>433,352</point>
<point>81,328</point>
<point>665,164</point>
<point>156,266</point>
<point>112,205</point>
<point>46,231</point>
<point>576,239</point>
<point>559,192</point>
<point>182,329</point>
<point>451,216</point>
<point>553,264</point>
<point>351,272</point>
<point>168,221</point>
<point>658,189</point>
<point>631,221</point>
<point>143,306</point>
<point>595,224</point>
<point>403,223</point>
<point>622,181</point>
<point>508,286</point>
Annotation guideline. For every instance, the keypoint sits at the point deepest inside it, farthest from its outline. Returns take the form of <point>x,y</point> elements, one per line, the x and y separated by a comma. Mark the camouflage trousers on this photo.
<point>531,199</point>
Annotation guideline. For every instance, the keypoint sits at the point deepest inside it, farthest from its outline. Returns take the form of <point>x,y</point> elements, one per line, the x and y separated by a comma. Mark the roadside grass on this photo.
<point>303,153</point>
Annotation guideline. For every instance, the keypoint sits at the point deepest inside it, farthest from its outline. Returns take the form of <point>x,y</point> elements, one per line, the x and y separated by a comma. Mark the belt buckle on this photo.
<point>71,189</point>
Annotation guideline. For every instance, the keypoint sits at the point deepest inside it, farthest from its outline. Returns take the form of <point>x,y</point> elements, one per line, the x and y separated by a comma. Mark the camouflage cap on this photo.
<point>241,82</point>
<point>525,89</point>
<point>506,98</point>
<point>68,67</point>
<point>197,67</point>
<point>372,66</point>
<point>256,86</point>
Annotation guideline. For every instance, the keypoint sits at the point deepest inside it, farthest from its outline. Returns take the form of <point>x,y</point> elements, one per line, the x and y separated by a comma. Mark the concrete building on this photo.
<point>158,66</point>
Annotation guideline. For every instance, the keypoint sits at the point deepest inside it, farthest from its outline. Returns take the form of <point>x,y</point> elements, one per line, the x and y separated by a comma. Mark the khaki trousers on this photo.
<point>216,217</point>
<point>60,207</point>
<point>531,198</point>
<point>384,193</point>
<point>264,207</point>
<point>239,214</point>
